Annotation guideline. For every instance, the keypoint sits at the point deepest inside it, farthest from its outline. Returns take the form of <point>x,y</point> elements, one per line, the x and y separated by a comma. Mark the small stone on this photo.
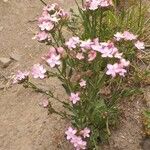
<point>146,144</point>
<point>1,28</point>
<point>4,62</point>
<point>15,56</point>
<point>2,87</point>
<point>5,1</point>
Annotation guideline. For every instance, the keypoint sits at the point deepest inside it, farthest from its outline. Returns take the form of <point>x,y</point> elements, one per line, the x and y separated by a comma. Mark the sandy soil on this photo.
<point>24,125</point>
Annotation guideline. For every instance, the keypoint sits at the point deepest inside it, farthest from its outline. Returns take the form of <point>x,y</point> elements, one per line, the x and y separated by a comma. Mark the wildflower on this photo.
<point>117,68</point>
<point>108,49</point>
<point>52,50</point>
<point>41,36</point>
<point>63,14</point>
<point>80,56</point>
<point>60,50</point>
<point>113,69</point>
<point>96,47</point>
<point>38,71</point>
<point>54,18</point>
<point>82,83</point>
<point>139,45</point>
<point>46,26</point>
<point>95,4</point>
<point>86,44</point>
<point>124,63</point>
<point>70,133</point>
<point>85,132</point>
<point>74,97</point>
<point>78,143</point>
<point>118,55</point>
<point>20,76</point>
<point>44,103</point>
<point>91,55</point>
<point>119,36</point>
<point>72,43</point>
<point>105,3</point>
<point>44,17</point>
<point>129,36</point>
<point>54,60</point>
<point>51,7</point>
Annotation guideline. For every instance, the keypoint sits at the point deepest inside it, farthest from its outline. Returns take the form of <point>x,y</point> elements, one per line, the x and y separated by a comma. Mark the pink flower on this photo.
<point>117,68</point>
<point>94,4</point>
<point>72,43</point>
<point>41,36</point>
<point>82,83</point>
<point>54,60</point>
<point>86,44</point>
<point>78,143</point>
<point>108,49</point>
<point>44,103</point>
<point>51,7</point>
<point>54,18</point>
<point>139,45</point>
<point>118,55</point>
<point>20,76</point>
<point>46,26</point>
<point>45,17</point>
<point>96,47</point>
<point>129,36</point>
<point>85,132</point>
<point>38,71</point>
<point>122,72</point>
<point>74,98</point>
<point>80,56</point>
<point>105,3</point>
<point>124,63</point>
<point>63,14</point>
<point>70,133</point>
<point>119,36</point>
<point>113,69</point>
<point>60,50</point>
<point>91,55</point>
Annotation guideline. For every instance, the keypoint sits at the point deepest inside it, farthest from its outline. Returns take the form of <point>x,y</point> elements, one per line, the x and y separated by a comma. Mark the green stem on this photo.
<point>67,81</point>
<point>49,93</point>
<point>53,35</point>
<point>100,23</point>
<point>43,2</point>
<point>140,13</point>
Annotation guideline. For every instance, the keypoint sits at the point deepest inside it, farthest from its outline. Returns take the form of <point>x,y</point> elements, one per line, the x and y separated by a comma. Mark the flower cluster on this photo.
<point>74,97</point>
<point>38,71</point>
<point>83,47</point>
<point>20,76</point>
<point>117,68</point>
<point>53,56</point>
<point>106,49</point>
<point>128,36</point>
<point>51,16</point>
<point>76,138</point>
<point>95,4</point>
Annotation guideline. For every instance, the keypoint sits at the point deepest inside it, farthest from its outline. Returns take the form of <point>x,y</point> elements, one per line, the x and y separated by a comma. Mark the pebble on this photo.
<point>1,28</point>
<point>5,1</point>
<point>4,62</point>
<point>146,144</point>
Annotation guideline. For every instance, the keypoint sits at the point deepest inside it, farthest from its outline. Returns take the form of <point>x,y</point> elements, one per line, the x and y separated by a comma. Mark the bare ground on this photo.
<point>24,125</point>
